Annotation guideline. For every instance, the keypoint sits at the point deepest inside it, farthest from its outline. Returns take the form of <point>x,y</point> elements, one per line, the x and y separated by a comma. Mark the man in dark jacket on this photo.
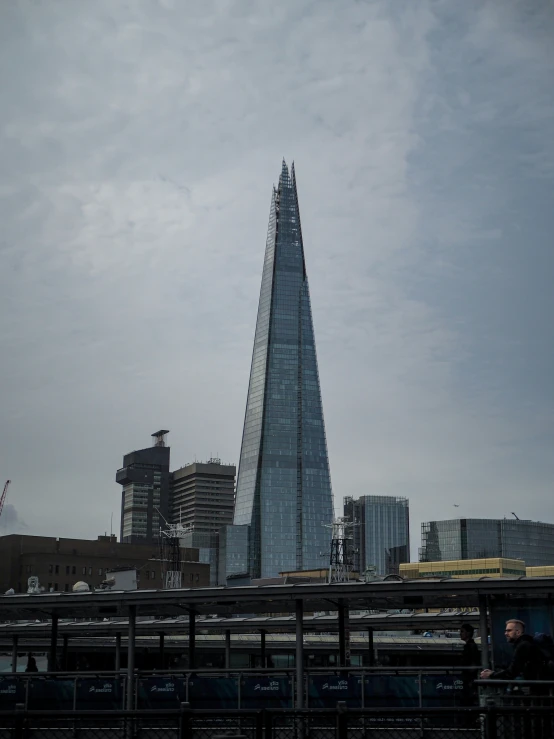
<point>470,658</point>
<point>527,661</point>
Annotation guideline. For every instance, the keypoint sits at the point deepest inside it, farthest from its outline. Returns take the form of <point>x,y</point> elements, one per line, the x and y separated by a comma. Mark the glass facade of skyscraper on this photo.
<point>381,536</point>
<point>482,538</point>
<point>283,486</point>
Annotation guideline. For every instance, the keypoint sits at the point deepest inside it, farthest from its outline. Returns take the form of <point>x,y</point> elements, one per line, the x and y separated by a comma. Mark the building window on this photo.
<point>66,588</point>
<point>153,575</point>
<point>147,574</point>
<point>67,569</point>
<point>192,576</point>
<point>28,569</point>
<point>73,570</point>
<point>49,586</point>
<point>57,569</point>
<point>197,577</point>
<point>55,587</point>
<point>50,569</point>
<point>100,571</point>
<point>84,570</point>
<point>90,570</point>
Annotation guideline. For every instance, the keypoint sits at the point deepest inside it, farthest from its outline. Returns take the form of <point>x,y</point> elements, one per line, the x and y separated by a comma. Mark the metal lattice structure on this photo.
<point>341,560</point>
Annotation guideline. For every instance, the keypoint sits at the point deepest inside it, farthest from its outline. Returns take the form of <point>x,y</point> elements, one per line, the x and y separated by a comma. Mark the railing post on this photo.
<point>490,723</point>
<point>342,720</point>
<point>268,723</point>
<point>184,721</point>
<point>19,721</point>
<point>259,734</point>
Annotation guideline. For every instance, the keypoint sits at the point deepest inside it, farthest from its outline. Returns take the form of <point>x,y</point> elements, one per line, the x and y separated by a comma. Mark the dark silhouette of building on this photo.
<point>145,495</point>
<point>284,488</point>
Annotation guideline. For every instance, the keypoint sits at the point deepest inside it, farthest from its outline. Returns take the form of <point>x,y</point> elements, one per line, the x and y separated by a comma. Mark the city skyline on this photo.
<point>134,184</point>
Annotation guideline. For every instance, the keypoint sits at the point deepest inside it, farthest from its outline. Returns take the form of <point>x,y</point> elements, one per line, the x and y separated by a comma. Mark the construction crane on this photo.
<point>3,498</point>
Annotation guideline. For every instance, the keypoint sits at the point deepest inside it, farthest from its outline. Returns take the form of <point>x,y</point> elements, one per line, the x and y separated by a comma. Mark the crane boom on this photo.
<point>3,498</point>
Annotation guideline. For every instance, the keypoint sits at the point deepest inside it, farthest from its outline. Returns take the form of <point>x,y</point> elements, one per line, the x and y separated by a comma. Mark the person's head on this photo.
<point>466,632</point>
<point>514,629</point>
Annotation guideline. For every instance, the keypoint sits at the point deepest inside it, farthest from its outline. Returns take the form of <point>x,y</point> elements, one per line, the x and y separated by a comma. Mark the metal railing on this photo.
<point>340,722</point>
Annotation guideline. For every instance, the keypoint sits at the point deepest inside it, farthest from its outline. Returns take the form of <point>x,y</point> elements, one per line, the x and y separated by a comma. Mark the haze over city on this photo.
<point>139,144</point>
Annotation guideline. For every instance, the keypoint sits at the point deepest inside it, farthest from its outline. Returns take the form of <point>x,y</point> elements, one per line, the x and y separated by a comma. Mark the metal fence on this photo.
<point>480,722</point>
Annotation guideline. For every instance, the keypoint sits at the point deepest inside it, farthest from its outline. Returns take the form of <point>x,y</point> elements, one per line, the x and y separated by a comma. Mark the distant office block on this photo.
<point>145,481</point>
<point>381,540</point>
<point>465,568</point>
<point>202,498</point>
<point>482,538</point>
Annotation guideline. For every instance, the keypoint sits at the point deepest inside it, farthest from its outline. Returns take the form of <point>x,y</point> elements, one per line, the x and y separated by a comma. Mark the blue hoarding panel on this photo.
<point>161,692</point>
<point>266,692</point>
<point>105,694</point>
<point>49,694</point>
<point>213,692</point>
<point>12,691</point>
<point>325,690</point>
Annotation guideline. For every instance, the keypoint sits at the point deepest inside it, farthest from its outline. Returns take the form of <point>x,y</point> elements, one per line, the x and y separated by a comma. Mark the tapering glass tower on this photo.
<point>283,486</point>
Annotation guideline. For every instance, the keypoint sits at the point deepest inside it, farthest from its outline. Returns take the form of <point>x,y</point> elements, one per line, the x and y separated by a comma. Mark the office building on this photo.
<point>485,538</point>
<point>145,481</point>
<point>60,563</point>
<point>381,536</point>
<point>202,497</point>
<point>284,487</point>
<point>464,568</point>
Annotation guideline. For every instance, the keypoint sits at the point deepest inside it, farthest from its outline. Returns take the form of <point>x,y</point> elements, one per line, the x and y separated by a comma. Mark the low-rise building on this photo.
<point>60,563</point>
<point>460,568</point>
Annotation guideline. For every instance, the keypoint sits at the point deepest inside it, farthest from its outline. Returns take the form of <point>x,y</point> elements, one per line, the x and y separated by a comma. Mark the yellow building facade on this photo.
<point>540,571</point>
<point>460,568</point>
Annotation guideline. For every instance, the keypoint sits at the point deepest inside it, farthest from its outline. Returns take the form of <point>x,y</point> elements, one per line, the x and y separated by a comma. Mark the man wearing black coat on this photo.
<point>527,661</point>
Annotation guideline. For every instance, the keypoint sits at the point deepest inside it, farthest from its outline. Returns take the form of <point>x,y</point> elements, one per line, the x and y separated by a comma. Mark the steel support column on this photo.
<point>299,654</point>
<point>118,651</point>
<point>484,632</point>
<point>53,644</point>
<point>370,646</point>
<point>227,649</point>
<point>162,650</point>
<point>64,651</point>
<point>262,648</point>
<point>192,640</point>
<point>342,633</point>
<point>15,640</point>
<point>131,657</point>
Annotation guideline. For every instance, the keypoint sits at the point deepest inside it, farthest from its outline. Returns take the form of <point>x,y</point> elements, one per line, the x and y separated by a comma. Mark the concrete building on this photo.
<point>381,536</point>
<point>145,481</point>
<point>485,538</point>
<point>464,568</point>
<point>202,499</point>
<point>60,563</point>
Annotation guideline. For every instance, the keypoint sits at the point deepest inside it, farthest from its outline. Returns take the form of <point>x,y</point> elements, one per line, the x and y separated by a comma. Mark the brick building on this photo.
<point>60,563</point>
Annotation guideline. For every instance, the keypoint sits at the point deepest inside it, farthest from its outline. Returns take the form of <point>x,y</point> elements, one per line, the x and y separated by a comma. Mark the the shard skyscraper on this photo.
<point>284,488</point>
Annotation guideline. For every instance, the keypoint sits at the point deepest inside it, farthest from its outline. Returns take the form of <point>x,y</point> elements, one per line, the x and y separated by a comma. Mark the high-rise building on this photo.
<point>381,538</point>
<point>284,486</point>
<point>202,497</point>
<point>145,481</point>
<point>484,538</point>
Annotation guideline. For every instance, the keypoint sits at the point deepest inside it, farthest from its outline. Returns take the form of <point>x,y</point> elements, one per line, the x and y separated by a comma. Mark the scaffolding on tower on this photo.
<point>170,554</point>
<point>341,560</point>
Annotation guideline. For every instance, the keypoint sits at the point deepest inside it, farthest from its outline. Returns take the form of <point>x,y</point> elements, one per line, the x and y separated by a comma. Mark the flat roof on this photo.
<point>273,599</point>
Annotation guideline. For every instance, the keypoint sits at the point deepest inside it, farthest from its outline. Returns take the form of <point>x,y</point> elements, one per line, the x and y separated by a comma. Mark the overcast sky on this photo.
<point>139,143</point>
